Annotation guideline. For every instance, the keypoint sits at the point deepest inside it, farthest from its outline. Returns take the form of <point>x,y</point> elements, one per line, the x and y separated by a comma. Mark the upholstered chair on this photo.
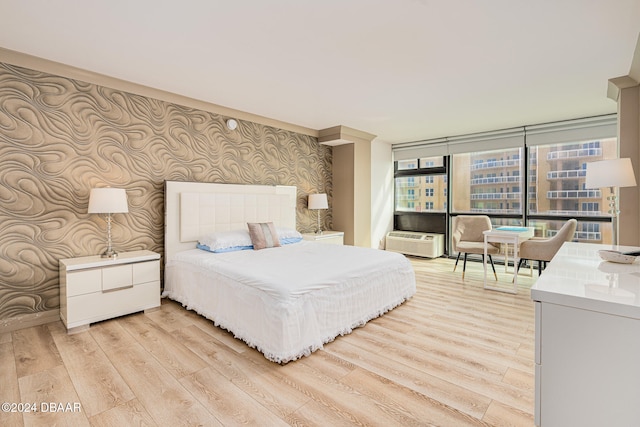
<point>542,250</point>
<point>467,238</point>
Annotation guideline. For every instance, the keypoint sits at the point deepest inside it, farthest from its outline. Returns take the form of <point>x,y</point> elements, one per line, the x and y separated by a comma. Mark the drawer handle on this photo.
<point>116,289</point>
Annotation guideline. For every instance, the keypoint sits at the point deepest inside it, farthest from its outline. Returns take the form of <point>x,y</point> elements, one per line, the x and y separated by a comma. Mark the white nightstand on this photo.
<point>93,288</point>
<point>332,237</point>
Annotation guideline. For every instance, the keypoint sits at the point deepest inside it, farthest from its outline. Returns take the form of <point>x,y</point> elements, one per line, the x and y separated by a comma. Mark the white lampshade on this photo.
<point>318,201</point>
<point>610,173</point>
<point>108,200</point>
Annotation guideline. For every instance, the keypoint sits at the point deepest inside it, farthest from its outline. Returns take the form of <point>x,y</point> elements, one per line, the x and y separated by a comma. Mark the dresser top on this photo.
<point>96,261</point>
<point>578,277</point>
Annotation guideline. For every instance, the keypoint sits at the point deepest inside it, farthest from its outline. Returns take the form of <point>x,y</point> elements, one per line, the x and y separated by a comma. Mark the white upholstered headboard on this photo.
<point>195,208</point>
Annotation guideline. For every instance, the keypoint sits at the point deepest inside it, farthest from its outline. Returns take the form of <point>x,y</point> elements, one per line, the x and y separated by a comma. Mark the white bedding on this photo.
<point>288,301</point>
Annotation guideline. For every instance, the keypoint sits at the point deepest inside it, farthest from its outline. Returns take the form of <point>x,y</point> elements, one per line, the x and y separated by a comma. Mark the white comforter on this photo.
<point>289,301</point>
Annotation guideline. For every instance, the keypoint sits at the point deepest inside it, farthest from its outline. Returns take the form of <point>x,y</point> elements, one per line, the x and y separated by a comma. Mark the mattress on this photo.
<point>288,301</point>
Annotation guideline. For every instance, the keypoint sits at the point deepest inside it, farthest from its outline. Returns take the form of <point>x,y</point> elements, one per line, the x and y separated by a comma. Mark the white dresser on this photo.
<point>587,340</point>
<point>94,288</point>
<point>332,237</point>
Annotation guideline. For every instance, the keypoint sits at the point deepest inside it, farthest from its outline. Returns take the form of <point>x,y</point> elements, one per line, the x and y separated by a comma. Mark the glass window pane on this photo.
<point>404,165</point>
<point>421,193</point>
<point>557,176</point>
<point>587,231</point>
<point>432,162</point>
<point>488,182</point>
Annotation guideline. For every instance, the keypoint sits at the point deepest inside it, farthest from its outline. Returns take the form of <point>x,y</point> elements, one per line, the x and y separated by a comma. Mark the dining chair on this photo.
<point>542,250</point>
<point>467,238</point>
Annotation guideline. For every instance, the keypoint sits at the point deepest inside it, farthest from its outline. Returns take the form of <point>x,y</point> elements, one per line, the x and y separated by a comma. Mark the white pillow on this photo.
<point>239,240</point>
<point>226,241</point>
<point>287,233</point>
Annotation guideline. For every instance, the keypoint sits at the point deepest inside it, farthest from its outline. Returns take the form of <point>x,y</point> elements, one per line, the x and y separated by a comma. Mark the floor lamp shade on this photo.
<point>614,173</point>
<point>610,173</point>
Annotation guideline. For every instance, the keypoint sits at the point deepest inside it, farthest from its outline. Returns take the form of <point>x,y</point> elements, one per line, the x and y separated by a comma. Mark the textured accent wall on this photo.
<point>61,137</point>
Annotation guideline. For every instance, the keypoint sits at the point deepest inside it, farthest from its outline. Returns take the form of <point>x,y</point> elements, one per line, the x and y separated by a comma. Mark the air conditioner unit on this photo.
<point>428,245</point>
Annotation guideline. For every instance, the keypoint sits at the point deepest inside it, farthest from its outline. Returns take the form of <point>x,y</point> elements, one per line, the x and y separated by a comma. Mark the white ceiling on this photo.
<point>404,70</point>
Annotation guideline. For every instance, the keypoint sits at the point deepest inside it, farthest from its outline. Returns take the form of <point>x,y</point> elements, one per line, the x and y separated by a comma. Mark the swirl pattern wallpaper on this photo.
<point>61,137</point>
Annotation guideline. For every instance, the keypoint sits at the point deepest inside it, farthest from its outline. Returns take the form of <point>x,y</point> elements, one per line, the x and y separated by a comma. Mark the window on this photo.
<point>487,182</point>
<point>540,187</point>
<point>407,164</point>
<point>589,231</point>
<point>418,189</point>
<point>413,185</point>
<point>591,207</point>
<point>432,162</point>
<point>560,172</point>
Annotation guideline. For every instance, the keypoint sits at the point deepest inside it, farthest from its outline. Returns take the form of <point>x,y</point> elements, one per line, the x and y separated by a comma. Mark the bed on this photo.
<point>285,301</point>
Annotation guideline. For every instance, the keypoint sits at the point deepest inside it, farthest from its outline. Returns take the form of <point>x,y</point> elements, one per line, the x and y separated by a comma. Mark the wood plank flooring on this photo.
<point>453,355</point>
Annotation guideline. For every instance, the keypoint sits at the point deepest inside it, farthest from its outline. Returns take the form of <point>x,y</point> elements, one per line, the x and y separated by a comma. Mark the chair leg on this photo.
<point>493,267</point>
<point>540,267</point>
<point>464,265</point>
<point>457,259</point>
<point>517,269</point>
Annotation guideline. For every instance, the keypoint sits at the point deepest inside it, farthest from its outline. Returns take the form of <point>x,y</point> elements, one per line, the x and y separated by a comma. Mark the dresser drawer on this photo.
<point>117,277</point>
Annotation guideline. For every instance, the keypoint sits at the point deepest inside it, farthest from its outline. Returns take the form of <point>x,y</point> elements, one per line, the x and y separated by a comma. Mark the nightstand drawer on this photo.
<point>117,277</point>
<point>84,282</point>
<point>94,288</point>
<point>330,237</point>
<point>89,308</point>
<point>144,272</point>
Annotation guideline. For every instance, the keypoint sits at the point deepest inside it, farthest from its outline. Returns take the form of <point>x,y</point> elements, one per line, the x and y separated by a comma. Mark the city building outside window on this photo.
<point>487,182</point>
<point>427,181</point>
<point>557,175</point>
<point>534,176</point>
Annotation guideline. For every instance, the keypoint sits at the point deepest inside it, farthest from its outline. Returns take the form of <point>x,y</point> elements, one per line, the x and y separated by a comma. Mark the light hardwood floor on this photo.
<point>453,355</point>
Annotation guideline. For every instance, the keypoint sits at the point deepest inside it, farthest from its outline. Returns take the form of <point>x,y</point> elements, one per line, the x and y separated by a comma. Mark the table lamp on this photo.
<point>108,201</point>
<point>317,202</point>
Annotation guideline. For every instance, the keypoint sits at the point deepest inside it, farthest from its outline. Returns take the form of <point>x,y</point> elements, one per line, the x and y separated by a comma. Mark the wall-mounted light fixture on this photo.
<point>232,124</point>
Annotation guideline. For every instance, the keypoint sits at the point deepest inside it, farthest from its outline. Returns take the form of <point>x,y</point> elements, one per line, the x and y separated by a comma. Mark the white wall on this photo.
<point>381,192</point>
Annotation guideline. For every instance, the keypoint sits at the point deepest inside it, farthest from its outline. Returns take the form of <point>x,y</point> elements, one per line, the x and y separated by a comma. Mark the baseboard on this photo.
<point>28,320</point>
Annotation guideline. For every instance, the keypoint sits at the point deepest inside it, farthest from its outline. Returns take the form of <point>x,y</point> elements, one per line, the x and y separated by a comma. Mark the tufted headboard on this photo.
<point>193,209</point>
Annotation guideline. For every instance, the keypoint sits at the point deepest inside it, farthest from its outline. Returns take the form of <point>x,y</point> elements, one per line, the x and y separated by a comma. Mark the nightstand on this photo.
<point>93,288</point>
<point>332,237</point>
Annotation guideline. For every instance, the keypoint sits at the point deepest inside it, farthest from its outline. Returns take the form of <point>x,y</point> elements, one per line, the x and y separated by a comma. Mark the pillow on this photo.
<point>288,235</point>
<point>226,241</point>
<point>263,235</point>
<point>240,240</point>
<point>223,250</point>
<point>289,240</point>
